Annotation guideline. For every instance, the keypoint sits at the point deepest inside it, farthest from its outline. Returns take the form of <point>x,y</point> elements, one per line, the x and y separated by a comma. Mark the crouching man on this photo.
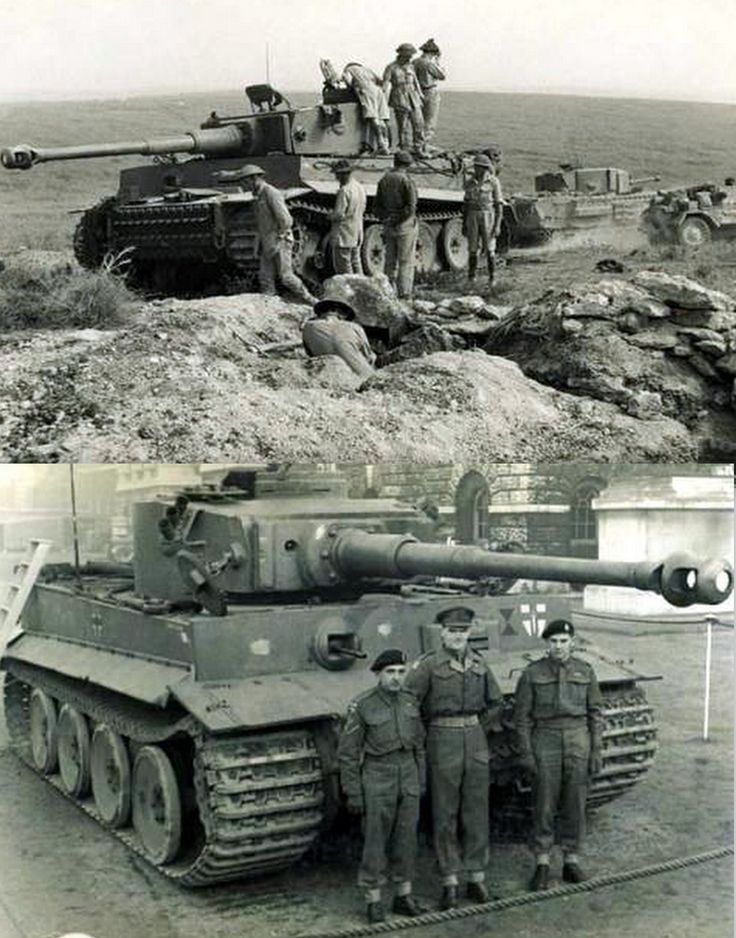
<point>558,725</point>
<point>382,771</point>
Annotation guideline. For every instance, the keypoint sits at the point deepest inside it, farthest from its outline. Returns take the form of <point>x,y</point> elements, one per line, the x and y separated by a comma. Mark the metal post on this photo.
<point>709,620</point>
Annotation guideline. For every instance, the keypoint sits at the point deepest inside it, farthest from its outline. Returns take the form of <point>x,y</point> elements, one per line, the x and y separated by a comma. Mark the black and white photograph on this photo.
<point>300,700</point>
<point>416,231</point>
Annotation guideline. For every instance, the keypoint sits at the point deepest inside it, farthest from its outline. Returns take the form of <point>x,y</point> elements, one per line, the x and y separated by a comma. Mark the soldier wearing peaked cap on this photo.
<point>274,224</point>
<point>558,726</point>
<point>382,772</point>
<point>460,702</point>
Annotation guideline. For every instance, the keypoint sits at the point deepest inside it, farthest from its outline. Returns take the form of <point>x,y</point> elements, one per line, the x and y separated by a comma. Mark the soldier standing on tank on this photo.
<point>382,771</point>
<point>373,105</point>
<point>428,72</point>
<point>274,224</point>
<point>396,206</point>
<point>405,98</point>
<point>482,215</point>
<point>558,725</point>
<point>460,702</point>
<point>346,235</point>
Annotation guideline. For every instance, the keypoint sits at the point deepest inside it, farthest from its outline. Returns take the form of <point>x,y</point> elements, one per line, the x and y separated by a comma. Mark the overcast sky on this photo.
<point>645,48</point>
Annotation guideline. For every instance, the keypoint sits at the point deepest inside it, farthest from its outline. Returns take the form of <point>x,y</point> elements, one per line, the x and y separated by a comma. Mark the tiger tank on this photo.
<point>180,228</point>
<point>191,701</point>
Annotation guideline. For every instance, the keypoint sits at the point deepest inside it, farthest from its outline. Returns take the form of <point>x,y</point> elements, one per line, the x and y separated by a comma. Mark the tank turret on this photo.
<point>191,701</point>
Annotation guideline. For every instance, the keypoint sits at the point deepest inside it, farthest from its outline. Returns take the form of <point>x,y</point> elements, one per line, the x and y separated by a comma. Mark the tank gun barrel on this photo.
<point>221,141</point>
<point>680,578</point>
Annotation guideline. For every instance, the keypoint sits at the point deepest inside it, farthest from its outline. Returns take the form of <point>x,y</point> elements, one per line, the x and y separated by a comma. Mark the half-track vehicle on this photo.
<point>576,201</point>
<point>693,216</point>
<point>182,228</point>
<point>191,701</point>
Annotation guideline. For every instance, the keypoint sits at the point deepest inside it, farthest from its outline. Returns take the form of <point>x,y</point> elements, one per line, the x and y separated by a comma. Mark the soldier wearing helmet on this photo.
<point>460,702</point>
<point>273,223</point>
<point>406,99</point>
<point>429,72</point>
<point>482,215</point>
<point>382,772</point>
<point>333,331</point>
<point>558,726</point>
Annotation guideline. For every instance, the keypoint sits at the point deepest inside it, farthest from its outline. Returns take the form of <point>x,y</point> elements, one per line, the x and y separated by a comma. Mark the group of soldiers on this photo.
<point>410,88</point>
<point>431,722</point>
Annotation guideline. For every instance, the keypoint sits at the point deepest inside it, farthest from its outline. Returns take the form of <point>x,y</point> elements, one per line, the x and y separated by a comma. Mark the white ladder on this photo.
<point>26,573</point>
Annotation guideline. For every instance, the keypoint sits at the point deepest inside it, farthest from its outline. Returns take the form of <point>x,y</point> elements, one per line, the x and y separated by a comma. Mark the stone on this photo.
<point>681,350</point>
<point>681,292</point>
<point>424,340</point>
<point>572,326</point>
<point>423,306</point>
<point>727,364</point>
<point>717,320</point>
<point>375,302</point>
<point>494,312</point>
<point>701,364</point>
<point>589,308</point>
<point>700,334</point>
<point>652,339</point>
<point>467,304</point>
<point>470,326</point>
<point>631,321</point>
<point>646,405</point>
<point>714,349</point>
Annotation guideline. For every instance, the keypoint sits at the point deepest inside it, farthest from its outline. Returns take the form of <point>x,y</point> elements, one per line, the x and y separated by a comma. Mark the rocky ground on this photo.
<point>561,361</point>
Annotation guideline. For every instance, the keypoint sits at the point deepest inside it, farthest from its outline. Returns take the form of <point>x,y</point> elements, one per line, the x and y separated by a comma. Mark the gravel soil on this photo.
<point>61,872</point>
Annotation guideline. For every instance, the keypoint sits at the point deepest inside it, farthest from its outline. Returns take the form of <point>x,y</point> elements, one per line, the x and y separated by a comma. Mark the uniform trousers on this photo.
<point>410,127</point>
<point>430,111</point>
<point>459,779</point>
<point>276,265</point>
<point>562,781</point>
<point>346,260</point>
<point>391,798</point>
<point>400,241</point>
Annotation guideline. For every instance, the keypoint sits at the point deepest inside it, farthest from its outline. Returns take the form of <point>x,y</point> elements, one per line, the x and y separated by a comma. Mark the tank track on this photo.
<point>318,208</point>
<point>259,796</point>
<point>629,745</point>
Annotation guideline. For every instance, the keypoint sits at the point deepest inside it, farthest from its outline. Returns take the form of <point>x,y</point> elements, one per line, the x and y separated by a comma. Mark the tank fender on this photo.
<point>137,677</point>
<point>272,699</point>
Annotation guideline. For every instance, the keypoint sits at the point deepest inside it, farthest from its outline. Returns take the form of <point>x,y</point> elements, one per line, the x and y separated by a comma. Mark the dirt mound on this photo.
<point>656,346</point>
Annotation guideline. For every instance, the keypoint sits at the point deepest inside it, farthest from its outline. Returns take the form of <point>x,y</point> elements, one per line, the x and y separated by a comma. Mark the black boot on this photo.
<point>375,912</point>
<point>540,880</point>
<point>449,897</point>
<point>472,266</point>
<point>572,872</point>
<point>478,892</point>
<point>406,905</point>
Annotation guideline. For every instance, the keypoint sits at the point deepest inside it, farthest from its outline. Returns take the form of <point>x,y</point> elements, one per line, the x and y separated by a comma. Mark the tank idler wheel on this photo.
<point>694,233</point>
<point>156,804</point>
<point>455,244</point>
<point>373,251</point>
<point>110,772</point>
<point>73,735</point>
<point>43,731</point>
<point>426,248</point>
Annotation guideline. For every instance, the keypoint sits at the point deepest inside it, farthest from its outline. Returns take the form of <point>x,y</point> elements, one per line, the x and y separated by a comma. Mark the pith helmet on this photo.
<point>245,172</point>
<point>335,296</point>
<point>388,657</point>
<point>456,617</point>
<point>559,627</point>
<point>342,166</point>
<point>483,160</point>
<point>402,158</point>
<point>430,46</point>
<point>407,48</point>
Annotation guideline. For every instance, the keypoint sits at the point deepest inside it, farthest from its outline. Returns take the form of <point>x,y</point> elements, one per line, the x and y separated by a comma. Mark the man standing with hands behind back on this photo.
<point>558,725</point>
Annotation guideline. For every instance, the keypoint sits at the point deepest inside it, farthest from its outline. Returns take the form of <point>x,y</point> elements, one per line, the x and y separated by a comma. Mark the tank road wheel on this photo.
<point>454,245</point>
<point>90,236</point>
<point>694,233</point>
<point>426,248</point>
<point>43,731</point>
<point>156,804</point>
<point>110,772</point>
<point>373,251</point>
<point>73,735</point>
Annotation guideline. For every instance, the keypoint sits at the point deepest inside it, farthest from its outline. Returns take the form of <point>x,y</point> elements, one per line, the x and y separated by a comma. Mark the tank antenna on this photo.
<point>268,64</point>
<point>75,531</point>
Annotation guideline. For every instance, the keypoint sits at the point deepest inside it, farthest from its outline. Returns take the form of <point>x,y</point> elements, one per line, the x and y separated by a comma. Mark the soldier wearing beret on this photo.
<point>558,725</point>
<point>382,772</point>
<point>460,701</point>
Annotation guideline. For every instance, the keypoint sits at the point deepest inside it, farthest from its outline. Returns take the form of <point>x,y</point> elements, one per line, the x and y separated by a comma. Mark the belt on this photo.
<point>466,719</point>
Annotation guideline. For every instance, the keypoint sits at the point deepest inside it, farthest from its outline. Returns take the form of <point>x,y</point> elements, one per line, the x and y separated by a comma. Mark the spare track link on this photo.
<point>260,795</point>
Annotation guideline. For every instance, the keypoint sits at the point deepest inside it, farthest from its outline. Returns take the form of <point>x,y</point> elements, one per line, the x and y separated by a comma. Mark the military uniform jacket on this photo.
<point>396,199</point>
<point>405,92</point>
<point>379,724</point>
<point>347,215</point>
<point>273,219</point>
<point>446,686</point>
<point>557,695</point>
<point>428,72</point>
<point>483,195</point>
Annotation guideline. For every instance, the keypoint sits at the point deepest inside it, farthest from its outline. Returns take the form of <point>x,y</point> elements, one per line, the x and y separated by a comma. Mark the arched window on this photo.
<point>471,508</point>
<point>583,522</point>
